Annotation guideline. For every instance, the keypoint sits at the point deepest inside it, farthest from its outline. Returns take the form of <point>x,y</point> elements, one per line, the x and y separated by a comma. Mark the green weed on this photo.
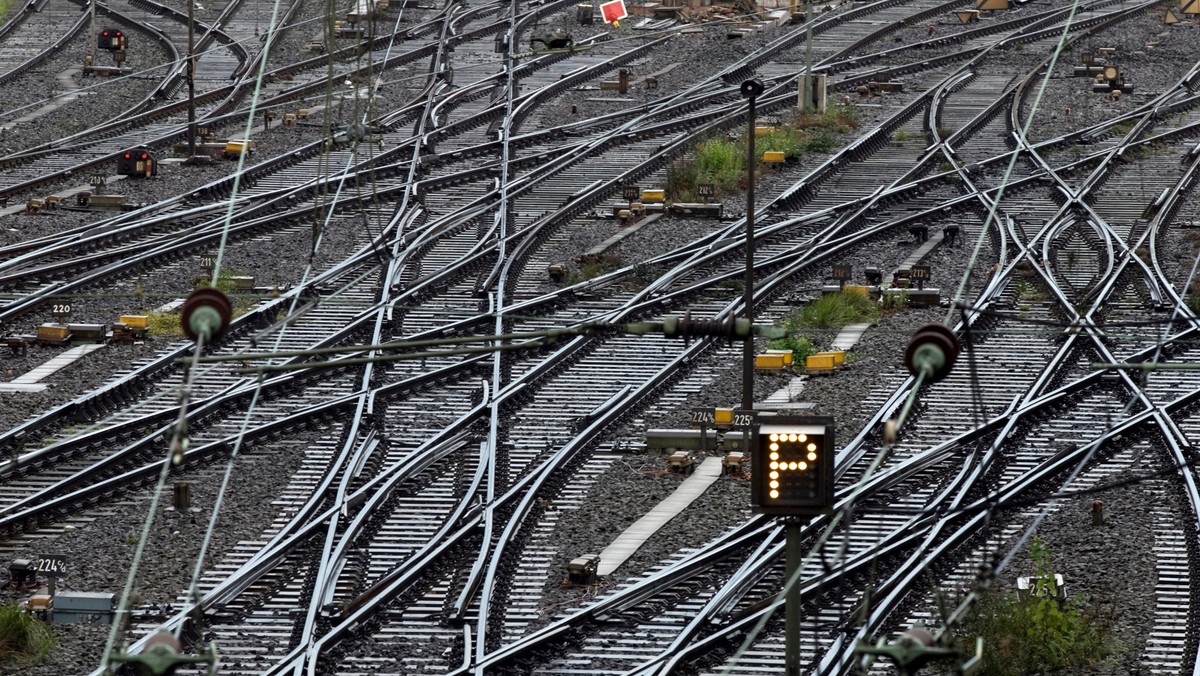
<point>166,324</point>
<point>890,303</point>
<point>23,638</point>
<point>1040,634</point>
<point>722,162</point>
<point>836,310</point>
<point>591,267</point>
<point>681,180</point>
<point>800,346</point>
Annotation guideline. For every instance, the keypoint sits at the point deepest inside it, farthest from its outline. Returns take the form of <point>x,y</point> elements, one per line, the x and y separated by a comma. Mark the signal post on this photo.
<point>793,478</point>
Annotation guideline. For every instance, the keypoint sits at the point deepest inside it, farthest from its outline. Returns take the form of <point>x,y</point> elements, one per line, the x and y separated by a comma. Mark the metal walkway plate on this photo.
<point>849,336</point>
<point>636,535</point>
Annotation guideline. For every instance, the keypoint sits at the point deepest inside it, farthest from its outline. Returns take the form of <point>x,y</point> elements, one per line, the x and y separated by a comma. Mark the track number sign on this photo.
<point>50,565</point>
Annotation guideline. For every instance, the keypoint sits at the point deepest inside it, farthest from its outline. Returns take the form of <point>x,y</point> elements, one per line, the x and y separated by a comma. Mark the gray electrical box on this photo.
<point>76,607</point>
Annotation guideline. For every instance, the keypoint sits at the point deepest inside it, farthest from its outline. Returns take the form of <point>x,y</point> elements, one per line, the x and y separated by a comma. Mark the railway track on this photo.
<point>426,516</point>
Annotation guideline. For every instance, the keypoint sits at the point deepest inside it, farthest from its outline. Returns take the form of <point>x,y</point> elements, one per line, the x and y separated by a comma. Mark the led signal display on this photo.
<point>793,466</point>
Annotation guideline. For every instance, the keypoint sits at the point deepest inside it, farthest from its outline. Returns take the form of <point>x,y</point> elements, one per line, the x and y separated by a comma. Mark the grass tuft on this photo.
<point>164,324</point>
<point>23,638</point>
<point>1038,635</point>
<point>836,310</point>
<point>722,161</point>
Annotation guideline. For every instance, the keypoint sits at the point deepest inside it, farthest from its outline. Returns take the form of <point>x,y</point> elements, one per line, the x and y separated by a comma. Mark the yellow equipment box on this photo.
<point>773,157</point>
<point>654,195</point>
<point>242,283</point>
<point>759,131</point>
<point>722,417</point>
<point>839,357</point>
<point>238,147</point>
<point>135,322</point>
<point>820,362</point>
<point>787,356</point>
<point>856,290</point>
<point>768,361</point>
<point>54,334</point>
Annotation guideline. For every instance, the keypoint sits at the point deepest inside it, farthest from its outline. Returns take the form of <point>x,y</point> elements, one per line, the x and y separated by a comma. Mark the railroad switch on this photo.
<point>19,344</point>
<point>950,235</point>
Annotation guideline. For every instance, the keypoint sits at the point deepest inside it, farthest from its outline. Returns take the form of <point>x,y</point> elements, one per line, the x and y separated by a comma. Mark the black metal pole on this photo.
<point>750,89</point>
<point>791,640</point>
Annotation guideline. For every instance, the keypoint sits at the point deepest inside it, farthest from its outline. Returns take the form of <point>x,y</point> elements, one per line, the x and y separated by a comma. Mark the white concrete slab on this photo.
<point>636,535</point>
<point>27,387</point>
<point>788,392</point>
<point>849,336</point>
<point>69,93</point>
<point>30,381</point>
<point>172,306</point>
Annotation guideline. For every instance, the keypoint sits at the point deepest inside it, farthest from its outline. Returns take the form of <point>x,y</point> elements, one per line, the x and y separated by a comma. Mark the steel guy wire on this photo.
<point>855,492</point>
<point>178,441</point>
<point>175,449</point>
<point>234,453</point>
<point>241,162</point>
<point>278,340</point>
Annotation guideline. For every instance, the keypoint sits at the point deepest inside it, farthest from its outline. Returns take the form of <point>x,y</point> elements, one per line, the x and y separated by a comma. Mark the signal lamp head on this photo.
<point>793,466</point>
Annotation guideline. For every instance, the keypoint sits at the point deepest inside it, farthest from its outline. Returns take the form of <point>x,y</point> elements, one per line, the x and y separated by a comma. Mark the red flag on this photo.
<point>613,11</point>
